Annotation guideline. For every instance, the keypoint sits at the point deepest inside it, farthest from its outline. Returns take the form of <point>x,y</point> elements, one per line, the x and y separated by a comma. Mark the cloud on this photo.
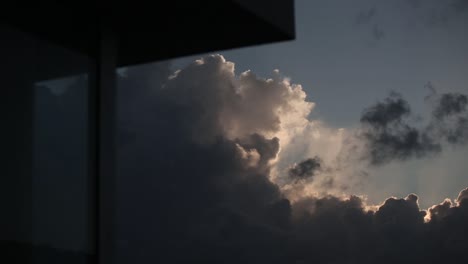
<point>440,211</point>
<point>450,104</point>
<point>462,196</point>
<point>450,117</point>
<point>342,230</point>
<point>388,134</point>
<point>197,169</point>
<point>398,213</point>
<point>392,110</point>
<point>195,181</point>
<point>305,169</point>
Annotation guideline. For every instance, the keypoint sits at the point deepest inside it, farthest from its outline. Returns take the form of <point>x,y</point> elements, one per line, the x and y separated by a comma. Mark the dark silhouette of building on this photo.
<point>50,41</point>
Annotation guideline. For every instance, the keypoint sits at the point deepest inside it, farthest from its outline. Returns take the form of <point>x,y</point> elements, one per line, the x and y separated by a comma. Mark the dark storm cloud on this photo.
<point>450,104</point>
<point>306,169</point>
<point>194,185</point>
<point>391,111</point>
<point>447,230</point>
<point>450,117</point>
<point>400,213</point>
<point>440,211</point>
<point>333,230</point>
<point>388,134</point>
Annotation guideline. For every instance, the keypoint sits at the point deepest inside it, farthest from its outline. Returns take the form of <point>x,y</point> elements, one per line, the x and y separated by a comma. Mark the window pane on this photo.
<point>44,181</point>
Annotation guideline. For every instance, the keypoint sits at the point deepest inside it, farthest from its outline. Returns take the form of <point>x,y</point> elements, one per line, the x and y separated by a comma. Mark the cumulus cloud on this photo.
<point>200,179</point>
<point>198,167</point>
<point>462,196</point>
<point>344,230</point>
<point>440,211</point>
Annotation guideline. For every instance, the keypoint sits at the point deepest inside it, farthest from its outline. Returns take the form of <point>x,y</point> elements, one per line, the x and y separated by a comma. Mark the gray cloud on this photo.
<point>306,168</point>
<point>388,134</point>
<point>440,211</point>
<point>450,117</point>
<point>391,111</point>
<point>343,231</point>
<point>197,166</point>
<point>450,104</point>
<point>194,180</point>
<point>462,196</point>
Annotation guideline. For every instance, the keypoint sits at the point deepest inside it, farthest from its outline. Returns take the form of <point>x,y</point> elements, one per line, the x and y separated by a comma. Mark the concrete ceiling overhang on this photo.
<point>149,31</point>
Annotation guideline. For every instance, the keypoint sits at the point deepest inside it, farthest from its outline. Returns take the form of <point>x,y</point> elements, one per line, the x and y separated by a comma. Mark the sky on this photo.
<point>345,145</point>
<point>216,166</point>
<point>349,55</point>
<point>335,54</point>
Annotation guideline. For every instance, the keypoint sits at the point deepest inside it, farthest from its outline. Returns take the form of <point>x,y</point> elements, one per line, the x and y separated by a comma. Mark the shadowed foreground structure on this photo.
<point>58,195</point>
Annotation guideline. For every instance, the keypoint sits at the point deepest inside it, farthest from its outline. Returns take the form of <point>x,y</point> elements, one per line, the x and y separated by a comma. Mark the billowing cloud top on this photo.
<point>201,181</point>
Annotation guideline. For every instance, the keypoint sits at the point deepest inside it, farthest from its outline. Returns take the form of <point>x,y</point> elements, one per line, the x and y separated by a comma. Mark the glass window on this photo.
<point>44,184</point>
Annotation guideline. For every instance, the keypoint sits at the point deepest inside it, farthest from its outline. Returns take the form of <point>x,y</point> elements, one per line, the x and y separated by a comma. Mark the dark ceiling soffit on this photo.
<point>279,14</point>
<point>147,34</point>
<point>197,28</point>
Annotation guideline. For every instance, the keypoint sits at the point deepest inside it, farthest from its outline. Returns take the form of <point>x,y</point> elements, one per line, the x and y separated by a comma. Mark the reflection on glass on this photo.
<point>44,177</point>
